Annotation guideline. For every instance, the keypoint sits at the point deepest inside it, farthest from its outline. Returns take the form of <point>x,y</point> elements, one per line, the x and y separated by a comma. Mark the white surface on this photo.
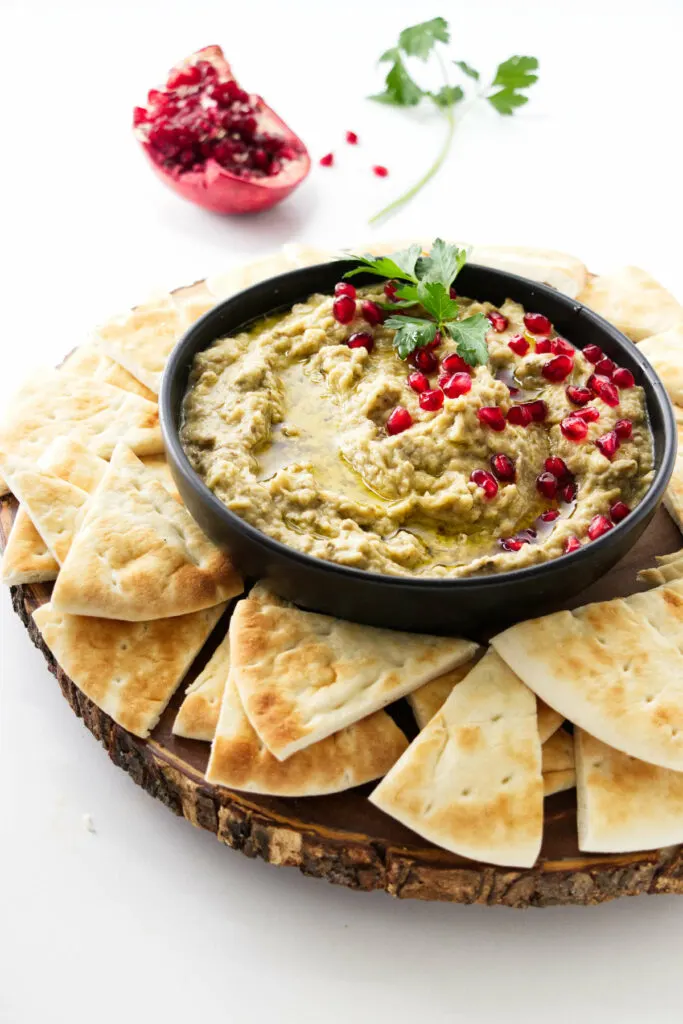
<point>144,917</point>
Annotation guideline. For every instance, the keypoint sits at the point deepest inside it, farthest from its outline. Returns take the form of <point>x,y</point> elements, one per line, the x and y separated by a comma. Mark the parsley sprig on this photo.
<point>423,42</point>
<point>426,282</point>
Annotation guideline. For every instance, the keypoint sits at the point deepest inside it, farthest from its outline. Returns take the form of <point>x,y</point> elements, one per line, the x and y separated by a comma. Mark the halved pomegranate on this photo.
<point>215,144</point>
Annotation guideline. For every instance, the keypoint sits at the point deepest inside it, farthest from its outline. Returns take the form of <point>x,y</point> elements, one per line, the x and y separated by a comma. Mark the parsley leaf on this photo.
<point>447,96</point>
<point>399,264</point>
<point>411,333</point>
<point>401,90</point>
<point>436,300</point>
<point>512,75</point>
<point>418,40</point>
<point>467,69</point>
<point>506,100</point>
<point>444,263</point>
<point>470,337</point>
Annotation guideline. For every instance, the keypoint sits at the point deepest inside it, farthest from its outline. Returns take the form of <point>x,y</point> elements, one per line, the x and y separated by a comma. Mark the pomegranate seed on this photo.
<point>435,342</point>
<point>431,400</point>
<point>503,467</point>
<point>491,416</point>
<point>558,369</point>
<point>520,415</point>
<point>537,323</point>
<point>418,382</point>
<point>619,511</point>
<point>390,290</point>
<point>573,428</point>
<point>579,396</point>
<point>538,410</point>
<point>546,484</point>
<point>423,359</point>
<point>455,364</point>
<point>623,429</point>
<point>562,347</point>
<point>589,415</point>
<point>361,340</point>
<point>568,492</point>
<point>352,138</point>
<point>623,378</point>
<point>399,420</point>
<point>608,444</point>
<point>604,389</point>
<point>327,160</point>
<point>542,345</point>
<point>380,171</point>
<point>571,544</point>
<point>452,292</point>
<point>139,115</point>
<point>513,543</point>
<point>183,77</point>
<point>593,354</point>
<point>457,385</point>
<point>482,478</point>
<point>342,288</point>
<point>606,367</point>
<point>550,515</point>
<point>556,466</point>
<point>598,526</point>
<point>371,312</point>
<point>519,345</point>
<point>497,321</point>
<point>344,309</point>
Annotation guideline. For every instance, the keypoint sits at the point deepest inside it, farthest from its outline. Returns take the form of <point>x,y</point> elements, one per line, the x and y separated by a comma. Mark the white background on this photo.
<point>147,917</point>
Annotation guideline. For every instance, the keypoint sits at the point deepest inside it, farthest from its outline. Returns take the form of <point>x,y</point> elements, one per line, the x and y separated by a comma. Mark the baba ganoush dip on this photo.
<point>316,432</point>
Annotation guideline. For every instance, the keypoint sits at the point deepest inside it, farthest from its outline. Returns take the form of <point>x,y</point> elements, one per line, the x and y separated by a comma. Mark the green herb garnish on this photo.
<point>422,42</point>
<point>426,281</point>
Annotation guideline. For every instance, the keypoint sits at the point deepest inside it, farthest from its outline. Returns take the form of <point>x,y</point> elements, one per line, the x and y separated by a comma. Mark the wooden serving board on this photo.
<point>344,838</point>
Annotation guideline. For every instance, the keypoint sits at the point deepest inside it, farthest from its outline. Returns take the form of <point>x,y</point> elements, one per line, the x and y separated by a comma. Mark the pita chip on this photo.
<point>355,755</point>
<point>471,781</point>
<point>26,558</point>
<point>222,286</point>
<point>614,668</point>
<point>557,763</point>
<point>128,669</point>
<point>197,717</point>
<point>59,404</point>
<point>138,554</point>
<point>89,361</point>
<point>160,470</point>
<point>557,269</point>
<point>633,301</point>
<point>303,676</point>
<point>665,352</point>
<point>673,496</point>
<point>670,568</point>
<point>624,804</point>
<point>142,339</point>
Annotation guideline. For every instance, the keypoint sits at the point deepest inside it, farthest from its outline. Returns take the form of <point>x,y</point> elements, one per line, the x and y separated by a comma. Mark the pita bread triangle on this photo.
<point>614,668</point>
<point>236,279</point>
<point>59,404</point>
<point>89,361</point>
<point>303,676</point>
<point>633,301</point>
<point>670,568</point>
<point>665,352</point>
<point>673,496</point>
<point>142,339</point>
<point>197,717</point>
<point>128,669</point>
<point>557,763</point>
<point>471,781</point>
<point>624,804</point>
<point>139,555</point>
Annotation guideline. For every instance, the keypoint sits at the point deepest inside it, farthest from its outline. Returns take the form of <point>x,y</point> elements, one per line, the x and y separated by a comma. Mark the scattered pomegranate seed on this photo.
<point>546,484</point>
<point>488,483</point>
<point>361,340</point>
<point>452,292</point>
<point>619,511</point>
<point>598,526</point>
<point>503,467</point>
<point>390,290</point>
<point>513,543</point>
<point>497,320</point>
<point>423,359</point>
<point>574,428</point>
<point>568,492</point>
<point>605,367</point>
<point>593,354</point>
<point>399,420</point>
<point>579,396</point>
<point>558,369</point>
<point>352,138</point>
<point>604,389</point>
<point>623,378</point>
<point>538,410</point>
<point>456,385</point>
<point>327,160</point>
<point>380,171</point>
<point>344,309</point>
<point>455,364</point>
<point>550,515</point>
<point>418,382</point>
<point>519,345</point>
<point>435,342</point>
<point>571,544</point>
<point>431,400</point>
<point>491,416</point>
<point>557,466</point>
<point>589,415</point>
<point>562,347</point>
<point>371,312</point>
<point>537,323</point>
<point>342,288</point>
<point>520,415</point>
<point>623,429</point>
<point>608,444</point>
<point>542,345</point>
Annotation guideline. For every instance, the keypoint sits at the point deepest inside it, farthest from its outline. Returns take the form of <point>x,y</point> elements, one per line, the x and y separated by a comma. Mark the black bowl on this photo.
<point>430,605</point>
